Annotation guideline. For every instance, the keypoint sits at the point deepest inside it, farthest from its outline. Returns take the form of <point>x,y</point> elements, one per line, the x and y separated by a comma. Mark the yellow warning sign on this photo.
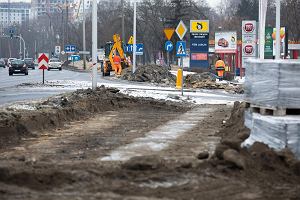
<point>169,32</point>
<point>130,41</point>
<point>199,26</point>
<point>181,30</point>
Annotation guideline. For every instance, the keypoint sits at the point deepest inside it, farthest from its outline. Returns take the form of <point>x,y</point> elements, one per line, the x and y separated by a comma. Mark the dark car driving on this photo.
<point>17,66</point>
<point>2,63</point>
<point>29,62</point>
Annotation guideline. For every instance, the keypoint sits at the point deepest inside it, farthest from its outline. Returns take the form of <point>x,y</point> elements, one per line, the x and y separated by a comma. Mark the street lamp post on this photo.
<point>94,44</point>
<point>83,35</point>
<point>134,38</point>
<point>277,30</point>
<point>263,4</point>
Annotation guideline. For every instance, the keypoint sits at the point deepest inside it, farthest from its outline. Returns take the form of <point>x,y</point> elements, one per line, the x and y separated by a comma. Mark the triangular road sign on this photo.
<point>130,41</point>
<point>169,32</point>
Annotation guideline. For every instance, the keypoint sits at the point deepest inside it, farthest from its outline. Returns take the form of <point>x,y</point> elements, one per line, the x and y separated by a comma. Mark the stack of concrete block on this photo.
<point>272,90</point>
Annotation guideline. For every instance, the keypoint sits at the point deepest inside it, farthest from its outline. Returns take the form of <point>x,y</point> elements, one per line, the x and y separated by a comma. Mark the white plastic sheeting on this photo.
<point>276,132</point>
<point>273,83</point>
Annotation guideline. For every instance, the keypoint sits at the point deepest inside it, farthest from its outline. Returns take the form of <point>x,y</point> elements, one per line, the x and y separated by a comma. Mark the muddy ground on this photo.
<point>63,160</point>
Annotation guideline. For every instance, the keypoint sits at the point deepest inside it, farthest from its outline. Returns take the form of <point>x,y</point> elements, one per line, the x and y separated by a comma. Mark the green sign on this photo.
<point>269,43</point>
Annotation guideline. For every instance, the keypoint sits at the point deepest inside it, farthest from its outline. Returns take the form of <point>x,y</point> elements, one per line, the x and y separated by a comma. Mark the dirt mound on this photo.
<point>56,111</point>
<point>207,81</point>
<point>150,73</point>
<point>259,158</point>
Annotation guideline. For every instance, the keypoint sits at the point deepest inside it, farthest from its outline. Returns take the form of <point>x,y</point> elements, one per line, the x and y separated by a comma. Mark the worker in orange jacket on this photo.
<point>220,68</point>
<point>117,65</point>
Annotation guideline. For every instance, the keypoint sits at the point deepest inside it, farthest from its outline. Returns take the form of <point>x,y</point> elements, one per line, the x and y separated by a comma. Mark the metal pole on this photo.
<point>123,22</point>
<point>278,30</point>
<point>134,39</point>
<point>262,27</point>
<point>94,44</point>
<point>20,52</point>
<point>181,63</point>
<point>35,49</point>
<point>83,35</point>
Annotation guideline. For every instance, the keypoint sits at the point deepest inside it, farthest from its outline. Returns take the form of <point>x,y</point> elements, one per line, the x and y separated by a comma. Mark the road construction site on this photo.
<point>142,141</point>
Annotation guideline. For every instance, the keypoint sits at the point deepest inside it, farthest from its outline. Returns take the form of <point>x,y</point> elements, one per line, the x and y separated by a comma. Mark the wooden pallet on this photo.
<point>272,111</point>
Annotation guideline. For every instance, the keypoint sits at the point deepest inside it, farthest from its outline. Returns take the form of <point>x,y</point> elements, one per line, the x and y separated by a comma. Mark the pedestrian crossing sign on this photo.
<point>181,49</point>
<point>130,41</point>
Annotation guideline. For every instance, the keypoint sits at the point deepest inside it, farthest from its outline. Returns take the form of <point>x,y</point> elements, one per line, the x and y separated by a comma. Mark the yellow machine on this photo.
<point>110,49</point>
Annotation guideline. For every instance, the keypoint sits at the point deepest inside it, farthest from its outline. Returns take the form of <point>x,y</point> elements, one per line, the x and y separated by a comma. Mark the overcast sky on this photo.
<point>210,2</point>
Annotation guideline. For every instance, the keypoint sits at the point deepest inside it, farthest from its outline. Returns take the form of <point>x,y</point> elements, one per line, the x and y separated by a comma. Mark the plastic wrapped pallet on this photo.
<point>276,132</point>
<point>273,83</point>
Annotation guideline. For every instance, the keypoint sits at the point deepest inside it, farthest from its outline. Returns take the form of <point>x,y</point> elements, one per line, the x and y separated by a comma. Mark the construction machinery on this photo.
<point>112,48</point>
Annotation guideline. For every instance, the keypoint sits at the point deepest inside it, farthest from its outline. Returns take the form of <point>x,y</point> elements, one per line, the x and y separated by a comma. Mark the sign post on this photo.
<point>181,47</point>
<point>169,32</point>
<point>43,63</point>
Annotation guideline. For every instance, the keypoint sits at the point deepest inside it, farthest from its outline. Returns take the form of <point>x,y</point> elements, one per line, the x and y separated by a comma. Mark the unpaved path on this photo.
<point>65,163</point>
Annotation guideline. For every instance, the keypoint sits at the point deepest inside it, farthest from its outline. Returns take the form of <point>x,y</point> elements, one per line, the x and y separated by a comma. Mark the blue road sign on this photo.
<point>169,46</point>
<point>75,57</point>
<point>70,48</point>
<point>139,49</point>
<point>181,49</point>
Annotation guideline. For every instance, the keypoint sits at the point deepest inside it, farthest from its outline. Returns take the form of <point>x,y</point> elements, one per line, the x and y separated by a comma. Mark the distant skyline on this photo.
<point>212,3</point>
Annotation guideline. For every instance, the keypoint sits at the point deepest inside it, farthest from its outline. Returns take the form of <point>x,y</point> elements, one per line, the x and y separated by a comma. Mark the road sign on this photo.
<point>43,61</point>
<point>139,49</point>
<point>181,49</point>
<point>199,26</point>
<point>63,52</point>
<point>57,50</point>
<point>169,32</point>
<point>169,46</point>
<point>75,58</point>
<point>181,30</point>
<point>130,41</point>
<point>70,48</point>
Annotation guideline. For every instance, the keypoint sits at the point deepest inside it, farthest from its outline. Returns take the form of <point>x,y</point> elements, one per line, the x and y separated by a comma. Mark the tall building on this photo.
<point>44,7</point>
<point>14,13</point>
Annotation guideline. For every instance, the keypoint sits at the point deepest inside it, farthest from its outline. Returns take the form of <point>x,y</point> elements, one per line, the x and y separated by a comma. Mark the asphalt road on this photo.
<point>9,92</point>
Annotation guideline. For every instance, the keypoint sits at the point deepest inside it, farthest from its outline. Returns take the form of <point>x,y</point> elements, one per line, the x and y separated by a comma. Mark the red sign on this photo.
<point>199,56</point>
<point>43,61</point>
<point>249,28</point>
<point>249,49</point>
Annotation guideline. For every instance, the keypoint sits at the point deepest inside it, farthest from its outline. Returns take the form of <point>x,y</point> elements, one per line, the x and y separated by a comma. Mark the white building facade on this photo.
<point>14,14</point>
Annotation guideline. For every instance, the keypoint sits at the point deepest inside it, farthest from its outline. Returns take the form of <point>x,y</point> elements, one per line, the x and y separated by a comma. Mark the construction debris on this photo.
<point>150,73</point>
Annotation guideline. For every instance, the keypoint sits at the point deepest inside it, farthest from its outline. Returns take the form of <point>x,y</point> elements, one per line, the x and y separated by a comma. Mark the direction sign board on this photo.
<point>84,52</point>
<point>139,49</point>
<point>181,30</point>
<point>70,48</point>
<point>169,32</point>
<point>181,49</point>
<point>43,60</point>
<point>169,46</point>
<point>199,26</point>
<point>75,58</point>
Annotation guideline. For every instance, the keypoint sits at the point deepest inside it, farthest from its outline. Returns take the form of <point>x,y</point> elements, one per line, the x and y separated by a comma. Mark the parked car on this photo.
<point>54,63</point>
<point>2,63</point>
<point>29,62</point>
<point>17,66</point>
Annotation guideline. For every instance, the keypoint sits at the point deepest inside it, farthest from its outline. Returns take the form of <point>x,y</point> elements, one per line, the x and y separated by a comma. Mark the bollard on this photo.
<point>179,79</point>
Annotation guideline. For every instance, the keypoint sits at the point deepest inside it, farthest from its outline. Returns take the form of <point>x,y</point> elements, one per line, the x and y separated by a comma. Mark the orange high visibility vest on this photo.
<point>117,60</point>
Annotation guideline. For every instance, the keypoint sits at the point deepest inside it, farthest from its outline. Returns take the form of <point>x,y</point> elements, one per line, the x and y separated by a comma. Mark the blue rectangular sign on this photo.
<point>70,48</point>
<point>139,49</point>
<point>199,45</point>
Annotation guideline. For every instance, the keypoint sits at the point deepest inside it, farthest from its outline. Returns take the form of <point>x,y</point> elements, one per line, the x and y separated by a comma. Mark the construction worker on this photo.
<point>117,64</point>
<point>220,68</point>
